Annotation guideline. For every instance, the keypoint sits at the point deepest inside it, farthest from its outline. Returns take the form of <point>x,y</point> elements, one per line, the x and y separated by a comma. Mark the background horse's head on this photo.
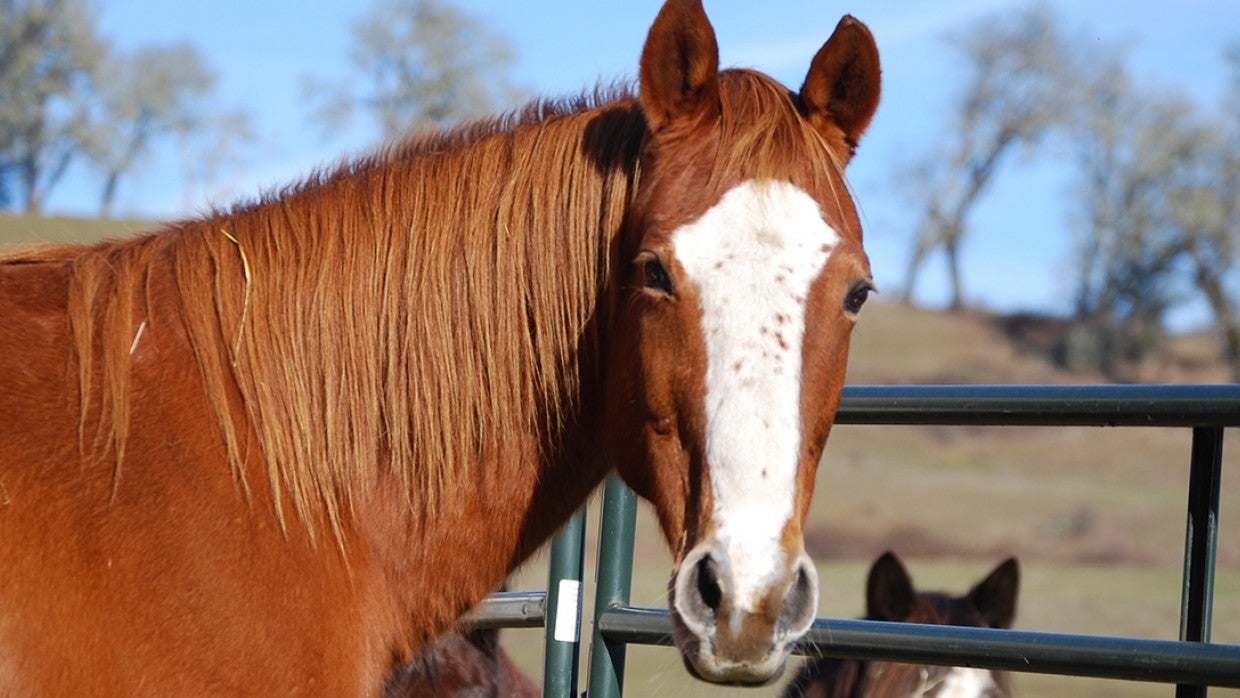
<point>890,596</point>
<point>747,274</point>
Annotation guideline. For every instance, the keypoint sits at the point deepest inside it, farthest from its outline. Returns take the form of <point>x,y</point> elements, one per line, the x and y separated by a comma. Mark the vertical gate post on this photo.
<point>613,584</point>
<point>563,631</point>
<point>1200,542</point>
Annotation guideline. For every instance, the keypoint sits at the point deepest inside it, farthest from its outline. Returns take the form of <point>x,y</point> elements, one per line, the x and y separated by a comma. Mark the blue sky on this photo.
<point>261,50</point>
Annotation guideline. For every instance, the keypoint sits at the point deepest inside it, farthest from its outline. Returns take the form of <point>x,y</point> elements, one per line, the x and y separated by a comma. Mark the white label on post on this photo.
<point>567,609</point>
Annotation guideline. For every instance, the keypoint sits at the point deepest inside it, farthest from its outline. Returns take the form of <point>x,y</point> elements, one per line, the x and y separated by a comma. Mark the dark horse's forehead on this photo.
<point>942,609</point>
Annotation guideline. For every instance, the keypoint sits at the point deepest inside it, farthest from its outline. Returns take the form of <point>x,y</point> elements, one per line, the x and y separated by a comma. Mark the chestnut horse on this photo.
<point>890,596</point>
<point>277,449</point>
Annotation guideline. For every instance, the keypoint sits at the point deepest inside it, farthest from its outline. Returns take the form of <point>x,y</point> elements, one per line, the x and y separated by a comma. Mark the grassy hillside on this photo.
<point>31,229</point>
<point>897,344</point>
<point>1095,515</point>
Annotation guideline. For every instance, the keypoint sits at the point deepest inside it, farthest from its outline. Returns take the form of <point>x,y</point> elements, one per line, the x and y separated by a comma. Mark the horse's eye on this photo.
<point>857,297</point>
<point>655,276</point>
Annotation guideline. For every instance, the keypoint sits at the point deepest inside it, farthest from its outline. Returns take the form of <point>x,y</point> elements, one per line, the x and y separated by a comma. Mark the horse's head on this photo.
<point>890,596</point>
<point>747,274</point>
<point>991,603</point>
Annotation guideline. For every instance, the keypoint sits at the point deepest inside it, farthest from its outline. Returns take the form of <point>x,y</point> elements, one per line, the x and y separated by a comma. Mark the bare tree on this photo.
<point>1136,150</point>
<point>152,93</point>
<point>1157,201</point>
<point>214,146</point>
<point>1016,93</point>
<point>1159,205</point>
<point>422,62</point>
<point>1207,211</point>
<point>66,97</point>
<point>161,93</point>
<point>48,55</point>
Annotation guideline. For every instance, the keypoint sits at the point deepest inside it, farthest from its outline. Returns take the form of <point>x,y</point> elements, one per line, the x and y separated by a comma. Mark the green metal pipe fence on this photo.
<point>563,636</point>
<point>1192,662</point>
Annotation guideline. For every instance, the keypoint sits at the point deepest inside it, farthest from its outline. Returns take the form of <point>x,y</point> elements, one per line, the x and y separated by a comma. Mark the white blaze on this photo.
<point>964,682</point>
<point>753,257</point>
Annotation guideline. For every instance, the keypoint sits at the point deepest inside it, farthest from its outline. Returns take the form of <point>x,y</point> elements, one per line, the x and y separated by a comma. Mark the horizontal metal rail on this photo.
<point>509,609</point>
<point>1165,661</point>
<point>1043,405</point>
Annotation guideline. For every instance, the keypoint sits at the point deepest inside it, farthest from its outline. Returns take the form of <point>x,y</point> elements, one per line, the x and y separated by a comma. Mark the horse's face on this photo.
<point>890,596</point>
<point>746,278</point>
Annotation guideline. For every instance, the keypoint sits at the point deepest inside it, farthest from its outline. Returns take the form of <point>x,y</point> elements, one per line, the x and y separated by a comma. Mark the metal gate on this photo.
<point>1192,662</point>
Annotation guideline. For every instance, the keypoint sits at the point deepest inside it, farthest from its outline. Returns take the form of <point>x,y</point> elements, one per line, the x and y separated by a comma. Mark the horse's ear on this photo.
<point>889,593</point>
<point>995,596</point>
<point>680,66</point>
<point>843,84</point>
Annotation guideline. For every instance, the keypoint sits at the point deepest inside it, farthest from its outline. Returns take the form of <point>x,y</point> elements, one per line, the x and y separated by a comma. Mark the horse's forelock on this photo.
<point>764,135</point>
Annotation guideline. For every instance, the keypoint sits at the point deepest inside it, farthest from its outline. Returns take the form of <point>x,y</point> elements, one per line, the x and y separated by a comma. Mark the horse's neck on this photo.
<point>522,487</point>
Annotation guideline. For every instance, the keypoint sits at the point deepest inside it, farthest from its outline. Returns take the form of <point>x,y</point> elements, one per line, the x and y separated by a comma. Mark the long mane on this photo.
<point>412,309</point>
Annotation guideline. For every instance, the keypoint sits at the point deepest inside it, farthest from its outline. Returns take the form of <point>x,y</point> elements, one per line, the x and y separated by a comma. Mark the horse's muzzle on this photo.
<point>732,635</point>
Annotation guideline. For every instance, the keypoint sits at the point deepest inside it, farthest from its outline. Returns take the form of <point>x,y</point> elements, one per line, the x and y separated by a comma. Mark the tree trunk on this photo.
<point>109,194</point>
<point>30,183</point>
<point>924,244</point>
<point>1226,317</point>
<point>951,248</point>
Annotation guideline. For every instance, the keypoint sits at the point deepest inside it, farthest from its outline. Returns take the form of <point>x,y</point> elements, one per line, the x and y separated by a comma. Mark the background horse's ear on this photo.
<point>680,66</point>
<point>843,84</point>
<point>889,591</point>
<point>995,596</point>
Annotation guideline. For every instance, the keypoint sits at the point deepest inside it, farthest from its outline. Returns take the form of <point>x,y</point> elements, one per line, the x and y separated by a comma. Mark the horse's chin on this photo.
<point>703,664</point>
<point>734,674</point>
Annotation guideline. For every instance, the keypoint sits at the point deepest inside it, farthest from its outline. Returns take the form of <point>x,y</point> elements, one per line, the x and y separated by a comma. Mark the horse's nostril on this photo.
<point>708,584</point>
<point>801,604</point>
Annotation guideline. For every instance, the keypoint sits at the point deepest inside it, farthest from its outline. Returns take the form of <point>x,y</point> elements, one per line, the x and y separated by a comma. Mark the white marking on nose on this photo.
<point>753,257</point>
<point>963,682</point>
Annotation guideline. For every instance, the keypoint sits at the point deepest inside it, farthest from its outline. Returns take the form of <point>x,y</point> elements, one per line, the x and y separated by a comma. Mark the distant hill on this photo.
<point>895,343</point>
<point>899,344</point>
<point>22,229</point>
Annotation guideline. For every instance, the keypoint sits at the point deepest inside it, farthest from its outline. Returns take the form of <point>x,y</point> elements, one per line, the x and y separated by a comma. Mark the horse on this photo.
<point>277,448</point>
<point>461,664</point>
<point>890,596</point>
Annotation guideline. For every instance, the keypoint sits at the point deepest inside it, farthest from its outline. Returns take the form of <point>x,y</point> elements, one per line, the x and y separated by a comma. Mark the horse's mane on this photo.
<point>413,309</point>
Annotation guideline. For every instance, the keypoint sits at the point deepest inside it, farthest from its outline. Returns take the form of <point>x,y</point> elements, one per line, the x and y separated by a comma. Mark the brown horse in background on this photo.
<point>890,596</point>
<point>462,664</point>
<point>278,449</point>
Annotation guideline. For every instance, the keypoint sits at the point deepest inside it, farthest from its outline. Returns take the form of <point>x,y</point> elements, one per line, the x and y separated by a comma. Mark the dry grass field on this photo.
<point>15,230</point>
<point>1095,515</point>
